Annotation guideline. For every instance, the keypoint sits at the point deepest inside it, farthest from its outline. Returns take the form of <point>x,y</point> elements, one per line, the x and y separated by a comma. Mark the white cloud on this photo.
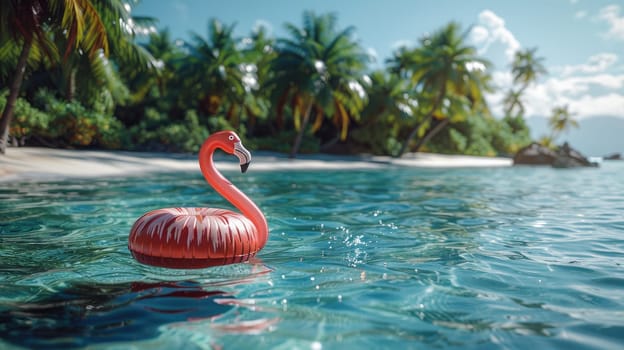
<point>502,81</point>
<point>611,14</point>
<point>593,88</point>
<point>578,93</point>
<point>479,34</point>
<point>605,105</point>
<point>580,14</point>
<point>491,29</point>
<point>587,88</point>
<point>595,64</point>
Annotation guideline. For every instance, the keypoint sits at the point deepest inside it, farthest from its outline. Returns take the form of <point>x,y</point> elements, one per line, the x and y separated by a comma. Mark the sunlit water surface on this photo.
<point>401,258</point>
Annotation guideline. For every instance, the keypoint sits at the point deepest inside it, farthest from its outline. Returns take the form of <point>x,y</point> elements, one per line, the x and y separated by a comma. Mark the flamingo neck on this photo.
<point>231,193</point>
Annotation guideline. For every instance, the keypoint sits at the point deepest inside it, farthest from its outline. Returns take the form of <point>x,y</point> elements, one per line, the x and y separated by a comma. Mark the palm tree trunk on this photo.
<point>429,135</point>
<point>16,84</point>
<point>304,125</point>
<point>330,143</point>
<point>429,117</point>
<point>70,91</point>
<point>412,134</point>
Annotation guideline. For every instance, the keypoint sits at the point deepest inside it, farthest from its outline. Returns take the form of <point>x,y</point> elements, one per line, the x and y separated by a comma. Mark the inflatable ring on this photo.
<point>202,237</point>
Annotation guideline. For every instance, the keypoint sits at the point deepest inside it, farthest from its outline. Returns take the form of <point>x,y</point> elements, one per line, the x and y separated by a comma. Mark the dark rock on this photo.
<point>613,156</point>
<point>535,154</point>
<point>564,157</point>
<point>568,157</point>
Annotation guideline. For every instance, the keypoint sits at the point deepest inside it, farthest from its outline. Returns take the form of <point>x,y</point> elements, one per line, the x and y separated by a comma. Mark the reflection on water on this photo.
<point>90,313</point>
<point>402,258</point>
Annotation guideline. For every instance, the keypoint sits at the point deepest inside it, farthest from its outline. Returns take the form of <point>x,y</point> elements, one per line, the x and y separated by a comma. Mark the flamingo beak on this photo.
<point>243,156</point>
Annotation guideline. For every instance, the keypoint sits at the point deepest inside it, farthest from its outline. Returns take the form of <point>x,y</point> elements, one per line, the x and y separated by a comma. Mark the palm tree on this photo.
<point>526,67</point>
<point>27,23</point>
<point>443,67</point>
<point>390,104</point>
<point>317,71</point>
<point>512,102</point>
<point>258,52</point>
<point>49,30</point>
<point>166,55</point>
<point>388,94</point>
<point>212,71</point>
<point>561,120</point>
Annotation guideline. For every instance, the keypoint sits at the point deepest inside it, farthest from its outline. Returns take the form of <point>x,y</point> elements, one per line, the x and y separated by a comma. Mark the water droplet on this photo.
<point>339,298</point>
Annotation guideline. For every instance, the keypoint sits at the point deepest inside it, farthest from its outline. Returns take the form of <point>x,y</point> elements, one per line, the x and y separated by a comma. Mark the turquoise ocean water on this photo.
<point>501,258</point>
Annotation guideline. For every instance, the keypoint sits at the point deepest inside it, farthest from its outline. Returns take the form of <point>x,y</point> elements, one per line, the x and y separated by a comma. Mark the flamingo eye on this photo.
<point>231,138</point>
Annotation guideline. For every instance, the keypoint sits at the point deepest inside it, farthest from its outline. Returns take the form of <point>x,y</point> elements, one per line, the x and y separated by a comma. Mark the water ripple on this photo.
<point>400,258</point>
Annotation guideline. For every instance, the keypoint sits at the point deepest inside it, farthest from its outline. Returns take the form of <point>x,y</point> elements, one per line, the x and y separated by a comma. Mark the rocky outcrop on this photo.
<point>613,156</point>
<point>567,157</point>
<point>564,157</point>
<point>535,154</point>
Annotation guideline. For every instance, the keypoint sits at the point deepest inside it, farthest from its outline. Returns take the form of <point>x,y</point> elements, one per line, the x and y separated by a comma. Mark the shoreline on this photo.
<point>38,163</point>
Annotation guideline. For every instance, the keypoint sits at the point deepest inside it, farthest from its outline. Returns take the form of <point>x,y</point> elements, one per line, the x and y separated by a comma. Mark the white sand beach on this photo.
<point>34,163</point>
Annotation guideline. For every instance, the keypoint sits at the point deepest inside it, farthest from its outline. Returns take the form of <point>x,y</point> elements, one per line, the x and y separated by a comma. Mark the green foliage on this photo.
<point>380,138</point>
<point>73,125</point>
<point>186,136</point>
<point>57,123</point>
<point>511,135</point>
<point>391,107</point>
<point>481,136</point>
<point>282,143</point>
<point>527,67</point>
<point>27,120</point>
<point>157,132</point>
<point>446,71</point>
<point>561,120</point>
<point>316,75</point>
<point>170,97</point>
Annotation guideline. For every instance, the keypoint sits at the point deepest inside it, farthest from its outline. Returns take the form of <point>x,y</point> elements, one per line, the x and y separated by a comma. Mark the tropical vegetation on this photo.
<point>86,73</point>
<point>560,121</point>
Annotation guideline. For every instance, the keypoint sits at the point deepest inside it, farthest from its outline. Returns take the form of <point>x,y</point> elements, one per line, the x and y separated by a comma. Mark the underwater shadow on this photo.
<point>85,314</point>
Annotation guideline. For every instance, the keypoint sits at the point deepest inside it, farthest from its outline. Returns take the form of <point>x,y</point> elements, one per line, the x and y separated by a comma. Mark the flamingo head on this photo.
<point>231,143</point>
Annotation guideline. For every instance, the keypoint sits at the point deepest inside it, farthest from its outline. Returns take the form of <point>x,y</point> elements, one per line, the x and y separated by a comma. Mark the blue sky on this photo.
<point>582,41</point>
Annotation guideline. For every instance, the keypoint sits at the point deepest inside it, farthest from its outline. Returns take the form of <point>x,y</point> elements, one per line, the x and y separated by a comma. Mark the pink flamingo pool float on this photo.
<point>201,237</point>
